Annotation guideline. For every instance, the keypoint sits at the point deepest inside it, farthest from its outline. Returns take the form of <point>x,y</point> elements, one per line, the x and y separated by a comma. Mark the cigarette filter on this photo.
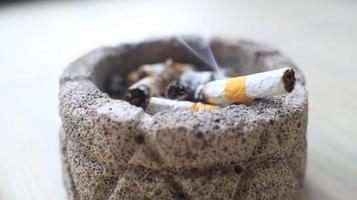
<point>244,89</point>
<point>156,104</point>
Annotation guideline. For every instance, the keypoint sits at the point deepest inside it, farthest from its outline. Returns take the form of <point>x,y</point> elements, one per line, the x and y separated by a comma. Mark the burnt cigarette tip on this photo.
<point>289,80</point>
<point>138,97</point>
<point>176,90</point>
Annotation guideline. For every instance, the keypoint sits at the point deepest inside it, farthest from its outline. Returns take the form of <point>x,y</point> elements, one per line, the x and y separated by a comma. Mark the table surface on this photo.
<point>38,40</point>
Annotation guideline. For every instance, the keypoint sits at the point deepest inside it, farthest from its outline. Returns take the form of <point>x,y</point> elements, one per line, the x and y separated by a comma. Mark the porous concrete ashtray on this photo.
<point>114,150</point>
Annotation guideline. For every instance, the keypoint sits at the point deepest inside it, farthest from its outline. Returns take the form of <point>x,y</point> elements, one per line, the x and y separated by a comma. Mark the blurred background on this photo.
<point>39,38</point>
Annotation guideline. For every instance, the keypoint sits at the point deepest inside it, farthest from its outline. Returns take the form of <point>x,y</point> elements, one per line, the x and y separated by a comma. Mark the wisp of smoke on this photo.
<point>205,54</point>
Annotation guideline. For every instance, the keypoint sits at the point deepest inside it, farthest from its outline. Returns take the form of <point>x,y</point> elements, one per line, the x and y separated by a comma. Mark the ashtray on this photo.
<point>114,150</point>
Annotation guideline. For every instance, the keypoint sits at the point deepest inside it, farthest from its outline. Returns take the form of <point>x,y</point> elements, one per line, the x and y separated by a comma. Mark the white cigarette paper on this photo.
<point>157,104</point>
<point>194,79</point>
<point>153,69</point>
<point>244,89</point>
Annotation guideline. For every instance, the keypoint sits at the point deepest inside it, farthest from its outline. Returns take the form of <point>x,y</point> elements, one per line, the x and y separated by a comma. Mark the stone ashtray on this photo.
<point>114,150</point>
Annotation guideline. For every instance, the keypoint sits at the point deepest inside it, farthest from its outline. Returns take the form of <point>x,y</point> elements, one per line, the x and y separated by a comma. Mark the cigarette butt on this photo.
<point>138,96</point>
<point>149,82</point>
<point>245,89</point>
<point>189,86</point>
<point>144,71</point>
<point>179,91</point>
<point>171,72</point>
<point>139,92</point>
<point>156,104</point>
<point>153,69</point>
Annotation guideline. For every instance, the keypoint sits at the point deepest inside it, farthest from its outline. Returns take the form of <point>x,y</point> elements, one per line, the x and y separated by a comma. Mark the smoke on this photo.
<point>204,53</point>
<point>177,23</point>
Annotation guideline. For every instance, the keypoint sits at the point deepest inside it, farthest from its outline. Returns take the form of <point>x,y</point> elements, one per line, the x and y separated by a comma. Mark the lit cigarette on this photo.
<point>244,89</point>
<point>156,104</point>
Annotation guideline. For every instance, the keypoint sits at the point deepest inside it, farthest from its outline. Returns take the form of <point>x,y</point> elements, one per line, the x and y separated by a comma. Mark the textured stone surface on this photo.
<point>113,150</point>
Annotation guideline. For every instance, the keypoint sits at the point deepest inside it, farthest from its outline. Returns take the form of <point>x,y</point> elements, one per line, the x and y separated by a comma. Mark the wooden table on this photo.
<point>38,40</point>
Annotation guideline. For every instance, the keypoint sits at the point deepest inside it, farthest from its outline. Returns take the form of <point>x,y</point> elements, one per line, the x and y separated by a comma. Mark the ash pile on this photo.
<point>176,86</point>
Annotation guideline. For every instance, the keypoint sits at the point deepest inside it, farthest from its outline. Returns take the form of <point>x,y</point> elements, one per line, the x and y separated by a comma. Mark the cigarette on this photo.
<point>171,72</point>
<point>156,104</point>
<point>144,71</point>
<point>189,86</point>
<point>179,91</point>
<point>245,89</point>
<point>141,90</point>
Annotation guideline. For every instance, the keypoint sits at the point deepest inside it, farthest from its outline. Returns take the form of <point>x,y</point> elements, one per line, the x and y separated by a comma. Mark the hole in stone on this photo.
<point>238,169</point>
<point>180,195</point>
<point>139,139</point>
<point>199,135</point>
